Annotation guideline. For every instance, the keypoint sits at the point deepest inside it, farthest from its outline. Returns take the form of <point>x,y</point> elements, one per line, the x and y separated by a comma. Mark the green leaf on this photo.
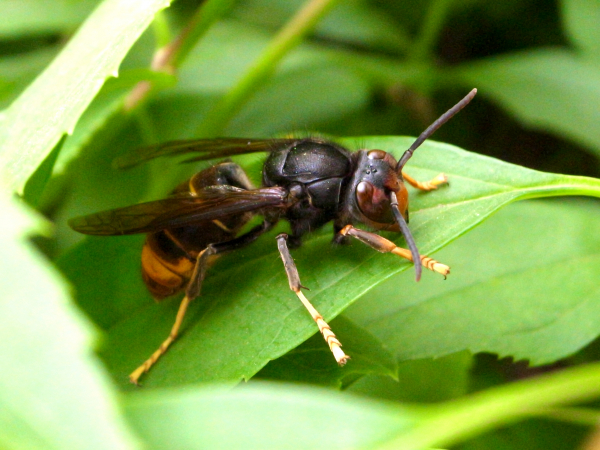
<point>269,416</point>
<point>53,392</point>
<point>247,315</point>
<point>53,104</point>
<point>524,285</point>
<point>550,89</point>
<point>265,416</point>
<point>580,19</point>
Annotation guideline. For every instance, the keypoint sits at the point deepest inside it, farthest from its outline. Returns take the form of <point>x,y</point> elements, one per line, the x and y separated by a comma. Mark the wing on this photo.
<point>179,210</point>
<point>205,148</point>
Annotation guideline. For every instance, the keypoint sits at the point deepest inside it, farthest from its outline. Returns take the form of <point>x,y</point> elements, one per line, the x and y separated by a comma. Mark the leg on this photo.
<point>383,245</point>
<point>425,185</point>
<point>145,367</point>
<point>193,290</point>
<point>294,281</point>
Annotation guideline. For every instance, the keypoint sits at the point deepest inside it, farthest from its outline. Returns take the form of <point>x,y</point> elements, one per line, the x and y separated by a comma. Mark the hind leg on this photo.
<point>194,286</point>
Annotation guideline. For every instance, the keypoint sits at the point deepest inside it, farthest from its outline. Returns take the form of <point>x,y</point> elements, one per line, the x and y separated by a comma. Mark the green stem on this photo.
<point>457,420</point>
<point>170,54</point>
<point>160,27</point>
<point>423,47</point>
<point>205,16</point>
<point>289,37</point>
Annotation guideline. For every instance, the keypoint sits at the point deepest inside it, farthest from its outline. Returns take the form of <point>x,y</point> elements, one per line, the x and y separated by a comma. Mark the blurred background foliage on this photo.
<point>369,68</point>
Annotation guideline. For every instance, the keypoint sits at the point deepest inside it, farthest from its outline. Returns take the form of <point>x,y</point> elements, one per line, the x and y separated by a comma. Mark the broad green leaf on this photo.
<point>550,89</point>
<point>265,416</point>
<point>580,20</point>
<point>275,416</point>
<point>247,315</point>
<point>52,105</point>
<point>53,392</point>
<point>523,285</point>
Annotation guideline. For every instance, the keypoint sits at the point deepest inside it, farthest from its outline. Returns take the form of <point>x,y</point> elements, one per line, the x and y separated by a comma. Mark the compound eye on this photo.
<point>373,203</point>
<point>364,193</point>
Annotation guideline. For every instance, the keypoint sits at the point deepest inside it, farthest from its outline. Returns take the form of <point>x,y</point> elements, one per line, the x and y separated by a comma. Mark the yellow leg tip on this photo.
<point>441,268</point>
<point>440,179</point>
<point>340,356</point>
<point>134,377</point>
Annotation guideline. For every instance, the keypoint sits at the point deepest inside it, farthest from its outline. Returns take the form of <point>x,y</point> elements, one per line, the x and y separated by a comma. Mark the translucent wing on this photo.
<point>205,148</point>
<point>178,210</point>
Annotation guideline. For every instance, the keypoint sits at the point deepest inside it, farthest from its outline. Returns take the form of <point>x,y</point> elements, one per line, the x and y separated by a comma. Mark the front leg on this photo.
<point>384,245</point>
<point>338,226</point>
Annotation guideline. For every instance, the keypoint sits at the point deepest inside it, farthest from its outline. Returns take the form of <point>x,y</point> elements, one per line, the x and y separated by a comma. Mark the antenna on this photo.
<point>407,235</point>
<point>433,127</point>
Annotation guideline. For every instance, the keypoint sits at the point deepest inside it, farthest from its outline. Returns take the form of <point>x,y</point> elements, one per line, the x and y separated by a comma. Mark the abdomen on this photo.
<point>169,256</point>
